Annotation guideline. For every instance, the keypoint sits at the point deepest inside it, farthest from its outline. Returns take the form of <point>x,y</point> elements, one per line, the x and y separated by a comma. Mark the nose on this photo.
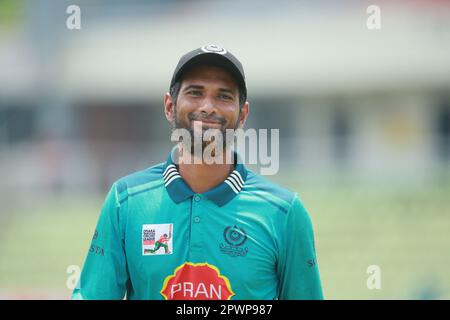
<point>207,106</point>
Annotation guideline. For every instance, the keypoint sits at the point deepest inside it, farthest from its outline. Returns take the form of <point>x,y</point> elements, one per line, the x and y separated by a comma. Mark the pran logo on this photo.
<point>197,281</point>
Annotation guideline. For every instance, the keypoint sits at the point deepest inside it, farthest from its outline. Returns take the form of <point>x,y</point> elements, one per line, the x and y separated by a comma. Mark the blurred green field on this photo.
<point>404,231</point>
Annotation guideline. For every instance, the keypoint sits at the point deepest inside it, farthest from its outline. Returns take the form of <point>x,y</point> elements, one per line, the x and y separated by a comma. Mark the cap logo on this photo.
<point>214,49</point>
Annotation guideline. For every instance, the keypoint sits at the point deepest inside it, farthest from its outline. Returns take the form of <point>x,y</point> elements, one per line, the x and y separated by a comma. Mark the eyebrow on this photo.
<point>199,87</point>
<point>193,86</point>
<point>226,90</point>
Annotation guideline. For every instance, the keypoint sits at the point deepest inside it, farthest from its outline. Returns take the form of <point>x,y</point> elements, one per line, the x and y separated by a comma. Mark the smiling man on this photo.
<point>202,231</point>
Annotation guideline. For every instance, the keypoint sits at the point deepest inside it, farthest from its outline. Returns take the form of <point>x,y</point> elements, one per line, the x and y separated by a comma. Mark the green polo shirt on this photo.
<point>246,238</point>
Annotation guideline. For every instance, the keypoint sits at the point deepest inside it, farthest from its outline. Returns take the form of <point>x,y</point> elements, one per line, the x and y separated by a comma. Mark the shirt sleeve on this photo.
<point>298,270</point>
<point>104,275</point>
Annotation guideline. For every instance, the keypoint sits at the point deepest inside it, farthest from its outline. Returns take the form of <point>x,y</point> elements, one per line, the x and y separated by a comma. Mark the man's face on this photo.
<point>208,99</point>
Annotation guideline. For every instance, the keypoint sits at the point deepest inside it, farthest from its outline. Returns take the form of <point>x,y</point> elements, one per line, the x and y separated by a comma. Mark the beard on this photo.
<point>197,141</point>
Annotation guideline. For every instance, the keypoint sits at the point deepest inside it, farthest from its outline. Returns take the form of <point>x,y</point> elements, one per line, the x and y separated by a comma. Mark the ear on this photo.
<point>169,108</point>
<point>244,114</point>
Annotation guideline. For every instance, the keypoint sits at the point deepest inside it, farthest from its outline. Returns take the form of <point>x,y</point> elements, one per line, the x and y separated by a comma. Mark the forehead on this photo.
<point>209,74</point>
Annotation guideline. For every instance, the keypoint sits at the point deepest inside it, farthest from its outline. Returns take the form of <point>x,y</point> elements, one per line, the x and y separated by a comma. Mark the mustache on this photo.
<point>197,117</point>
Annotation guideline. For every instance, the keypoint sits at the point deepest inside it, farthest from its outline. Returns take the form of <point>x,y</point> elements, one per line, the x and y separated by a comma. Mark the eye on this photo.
<point>196,93</point>
<point>225,97</point>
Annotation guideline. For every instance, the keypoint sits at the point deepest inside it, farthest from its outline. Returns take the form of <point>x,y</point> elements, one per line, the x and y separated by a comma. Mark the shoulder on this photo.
<point>261,188</point>
<point>139,181</point>
<point>288,211</point>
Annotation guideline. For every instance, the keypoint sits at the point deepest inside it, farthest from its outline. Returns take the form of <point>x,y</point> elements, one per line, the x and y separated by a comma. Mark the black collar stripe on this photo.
<point>237,174</point>
<point>230,184</point>
<point>170,169</point>
<point>236,178</point>
<point>172,179</point>
<point>235,182</point>
<point>170,174</point>
<point>170,166</point>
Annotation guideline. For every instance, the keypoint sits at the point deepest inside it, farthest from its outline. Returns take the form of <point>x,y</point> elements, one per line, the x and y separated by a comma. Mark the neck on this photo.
<point>202,177</point>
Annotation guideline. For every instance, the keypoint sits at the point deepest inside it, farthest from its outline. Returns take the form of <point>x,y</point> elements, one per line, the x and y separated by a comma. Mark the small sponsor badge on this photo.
<point>157,239</point>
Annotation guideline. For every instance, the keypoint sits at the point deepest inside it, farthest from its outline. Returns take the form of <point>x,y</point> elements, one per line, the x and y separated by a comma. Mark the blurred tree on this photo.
<point>9,13</point>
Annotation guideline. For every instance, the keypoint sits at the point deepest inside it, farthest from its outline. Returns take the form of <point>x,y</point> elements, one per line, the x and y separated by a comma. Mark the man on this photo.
<point>232,233</point>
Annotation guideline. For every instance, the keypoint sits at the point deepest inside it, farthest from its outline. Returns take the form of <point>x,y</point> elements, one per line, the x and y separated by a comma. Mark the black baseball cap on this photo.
<point>212,54</point>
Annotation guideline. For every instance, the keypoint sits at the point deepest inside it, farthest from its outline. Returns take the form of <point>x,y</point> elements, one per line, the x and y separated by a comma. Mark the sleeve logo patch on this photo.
<point>157,239</point>
<point>197,281</point>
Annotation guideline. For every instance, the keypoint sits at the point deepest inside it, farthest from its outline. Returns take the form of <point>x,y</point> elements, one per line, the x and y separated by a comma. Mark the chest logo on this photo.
<point>235,238</point>
<point>196,281</point>
<point>157,239</point>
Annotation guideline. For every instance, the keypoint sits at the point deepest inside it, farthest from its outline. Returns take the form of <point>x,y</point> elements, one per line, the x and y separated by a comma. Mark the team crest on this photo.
<point>235,238</point>
<point>157,239</point>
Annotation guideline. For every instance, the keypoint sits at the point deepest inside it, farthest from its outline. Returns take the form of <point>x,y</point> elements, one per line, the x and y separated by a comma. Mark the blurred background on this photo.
<point>364,119</point>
